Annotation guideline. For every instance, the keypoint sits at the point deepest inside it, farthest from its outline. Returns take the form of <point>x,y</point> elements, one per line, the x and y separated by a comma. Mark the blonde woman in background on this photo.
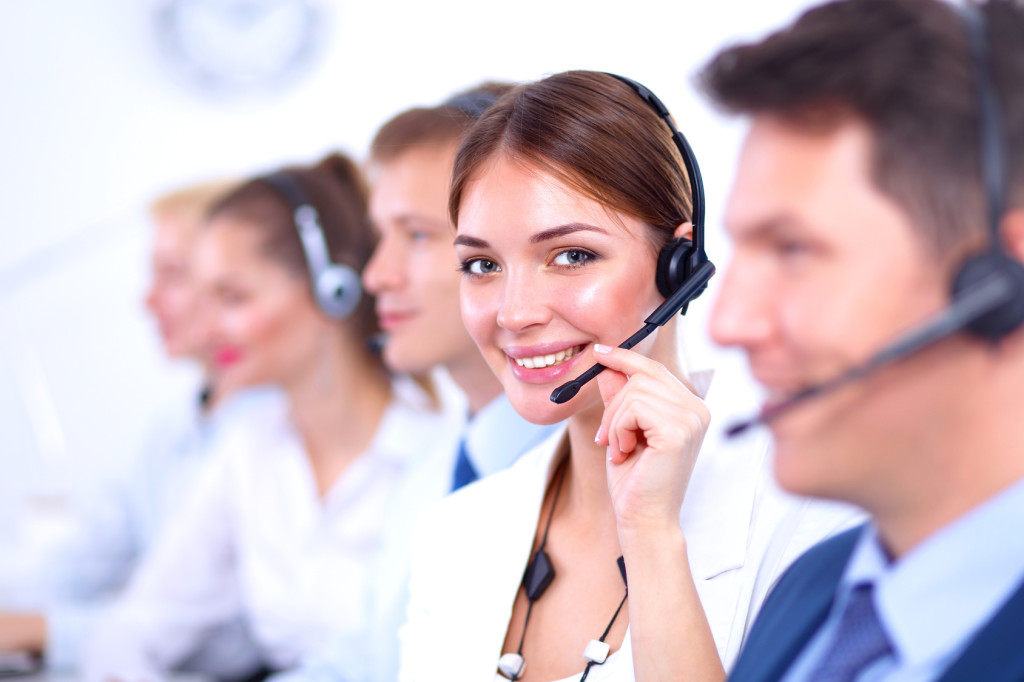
<point>116,524</point>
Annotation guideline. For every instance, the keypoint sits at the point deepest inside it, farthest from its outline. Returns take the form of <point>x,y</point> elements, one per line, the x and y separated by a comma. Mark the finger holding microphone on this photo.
<point>653,427</point>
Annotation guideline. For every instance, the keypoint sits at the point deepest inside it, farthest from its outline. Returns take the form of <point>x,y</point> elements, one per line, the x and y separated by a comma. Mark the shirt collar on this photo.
<point>496,436</point>
<point>932,600</point>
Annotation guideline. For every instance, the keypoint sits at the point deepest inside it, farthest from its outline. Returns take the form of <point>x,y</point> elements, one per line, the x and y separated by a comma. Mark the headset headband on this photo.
<point>307,221</point>
<point>689,159</point>
<point>473,103</point>
<point>990,129</point>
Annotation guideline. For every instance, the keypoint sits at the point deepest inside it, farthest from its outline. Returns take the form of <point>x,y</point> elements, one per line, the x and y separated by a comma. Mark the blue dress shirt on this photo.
<point>494,439</point>
<point>934,599</point>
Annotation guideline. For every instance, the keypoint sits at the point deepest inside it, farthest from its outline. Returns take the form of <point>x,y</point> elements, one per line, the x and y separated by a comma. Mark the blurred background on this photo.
<point>109,103</point>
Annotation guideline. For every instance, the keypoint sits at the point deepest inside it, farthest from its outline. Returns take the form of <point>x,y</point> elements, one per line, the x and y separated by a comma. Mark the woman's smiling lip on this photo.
<point>227,356</point>
<point>543,363</point>
<point>390,319</point>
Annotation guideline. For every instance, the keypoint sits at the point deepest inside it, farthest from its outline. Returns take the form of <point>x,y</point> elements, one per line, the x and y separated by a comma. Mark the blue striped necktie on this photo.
<point>859,642</point>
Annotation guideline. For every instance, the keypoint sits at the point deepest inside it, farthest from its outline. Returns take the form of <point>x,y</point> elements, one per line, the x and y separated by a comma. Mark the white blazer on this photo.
<point>470,552</point>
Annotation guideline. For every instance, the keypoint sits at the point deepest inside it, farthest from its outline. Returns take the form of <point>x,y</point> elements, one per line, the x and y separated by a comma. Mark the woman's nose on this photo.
<point>523,302</point>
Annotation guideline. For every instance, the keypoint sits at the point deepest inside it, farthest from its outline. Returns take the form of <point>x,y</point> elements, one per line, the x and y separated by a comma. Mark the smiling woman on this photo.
<point>578,563</point>
<point>587,278</point>
<point>285,526</point>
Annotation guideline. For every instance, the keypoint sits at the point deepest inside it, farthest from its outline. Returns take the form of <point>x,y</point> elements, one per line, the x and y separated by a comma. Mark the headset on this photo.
<point>336,286</point>
<point>987,293</point>
<point>683,269</point>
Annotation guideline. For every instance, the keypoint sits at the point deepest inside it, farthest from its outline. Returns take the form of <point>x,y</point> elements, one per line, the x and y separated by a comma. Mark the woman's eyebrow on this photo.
<point>562,230</point>
<point>543,235</point>
<point>472,242</point>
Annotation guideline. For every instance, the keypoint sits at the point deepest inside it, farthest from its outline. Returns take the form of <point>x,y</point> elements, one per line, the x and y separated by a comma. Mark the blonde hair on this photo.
<point>191,204</point>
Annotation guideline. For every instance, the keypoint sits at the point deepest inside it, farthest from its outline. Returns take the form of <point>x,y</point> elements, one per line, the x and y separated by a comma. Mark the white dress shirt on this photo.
<point>470,552</point>
<point>257,539</point>
<point>113,526</point>
<point>496,437</point>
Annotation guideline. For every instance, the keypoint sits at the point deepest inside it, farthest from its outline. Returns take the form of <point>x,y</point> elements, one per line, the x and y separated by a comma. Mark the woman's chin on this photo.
<point>535,405</point>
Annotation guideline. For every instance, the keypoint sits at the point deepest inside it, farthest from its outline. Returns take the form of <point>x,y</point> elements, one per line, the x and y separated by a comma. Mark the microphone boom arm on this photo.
<point>973,303</point>
<point>693,286</point>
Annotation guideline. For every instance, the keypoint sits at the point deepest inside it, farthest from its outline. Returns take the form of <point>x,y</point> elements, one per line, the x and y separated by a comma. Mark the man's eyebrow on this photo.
<point>562,230</point>
<point>768,227</point>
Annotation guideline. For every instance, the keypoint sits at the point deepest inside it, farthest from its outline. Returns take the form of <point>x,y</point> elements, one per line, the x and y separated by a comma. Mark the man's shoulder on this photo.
<point>819,568</point>
<point>808,585</point>
<point>794,608</point>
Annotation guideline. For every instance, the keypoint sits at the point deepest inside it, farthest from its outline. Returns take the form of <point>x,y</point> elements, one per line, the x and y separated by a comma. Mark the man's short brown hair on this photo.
<point>904,68</point>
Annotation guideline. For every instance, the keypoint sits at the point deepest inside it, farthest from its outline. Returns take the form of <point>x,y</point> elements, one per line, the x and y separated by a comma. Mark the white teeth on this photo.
<point>540,361</point>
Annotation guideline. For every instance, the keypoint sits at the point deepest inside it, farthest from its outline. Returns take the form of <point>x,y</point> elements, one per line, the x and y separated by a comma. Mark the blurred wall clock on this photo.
<point>229,47</point>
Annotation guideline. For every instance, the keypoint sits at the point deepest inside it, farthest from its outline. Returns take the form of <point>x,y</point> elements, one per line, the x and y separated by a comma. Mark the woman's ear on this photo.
<point>684,230</point>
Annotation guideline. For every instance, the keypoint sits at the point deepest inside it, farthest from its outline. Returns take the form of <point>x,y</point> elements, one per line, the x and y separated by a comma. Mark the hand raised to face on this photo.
<point>653,427</point>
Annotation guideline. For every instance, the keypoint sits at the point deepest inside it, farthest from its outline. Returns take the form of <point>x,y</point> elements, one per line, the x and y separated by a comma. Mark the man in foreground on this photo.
<point>859,198</point>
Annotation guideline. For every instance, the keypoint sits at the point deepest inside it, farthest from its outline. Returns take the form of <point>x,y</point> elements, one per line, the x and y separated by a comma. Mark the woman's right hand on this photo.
<point>653,427</point>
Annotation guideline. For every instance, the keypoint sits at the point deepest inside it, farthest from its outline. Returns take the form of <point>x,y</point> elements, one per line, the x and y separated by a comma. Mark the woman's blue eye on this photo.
<point>573,258</point>
<point>480,266</point>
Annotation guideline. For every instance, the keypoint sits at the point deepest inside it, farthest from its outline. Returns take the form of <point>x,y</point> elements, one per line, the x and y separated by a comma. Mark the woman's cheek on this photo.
<point>476,314</point>
<point>599,308</point>
<point>583,301</point>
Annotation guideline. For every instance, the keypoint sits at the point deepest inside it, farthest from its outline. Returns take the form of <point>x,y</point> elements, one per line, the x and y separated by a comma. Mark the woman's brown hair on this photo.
<point>337,191</point>
<point>593,133</point>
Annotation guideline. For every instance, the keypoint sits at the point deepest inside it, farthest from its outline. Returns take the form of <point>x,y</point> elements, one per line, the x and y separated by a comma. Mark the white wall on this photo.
<point>94,124</point>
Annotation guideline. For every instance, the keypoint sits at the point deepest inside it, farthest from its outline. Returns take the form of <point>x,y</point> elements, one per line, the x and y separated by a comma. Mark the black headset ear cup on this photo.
<point>674,265</point>
<point>1002,319</point>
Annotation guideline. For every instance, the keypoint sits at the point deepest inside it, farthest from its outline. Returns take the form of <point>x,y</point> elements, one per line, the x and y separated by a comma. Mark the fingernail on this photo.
<point>597,436</point>
<point>602,349</point>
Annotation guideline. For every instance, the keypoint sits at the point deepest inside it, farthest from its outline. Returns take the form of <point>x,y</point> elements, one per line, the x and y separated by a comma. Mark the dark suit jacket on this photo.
<point>800,602</point>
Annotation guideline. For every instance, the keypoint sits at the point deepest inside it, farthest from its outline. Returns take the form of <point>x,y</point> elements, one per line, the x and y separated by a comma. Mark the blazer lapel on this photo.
<point>794,611</point>
<point>785,631</point>
<point>996,653</point>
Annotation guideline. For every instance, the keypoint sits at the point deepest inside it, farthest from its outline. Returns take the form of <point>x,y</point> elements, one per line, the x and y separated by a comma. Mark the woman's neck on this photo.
<point>586,490</point>
<point>337,405</point>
